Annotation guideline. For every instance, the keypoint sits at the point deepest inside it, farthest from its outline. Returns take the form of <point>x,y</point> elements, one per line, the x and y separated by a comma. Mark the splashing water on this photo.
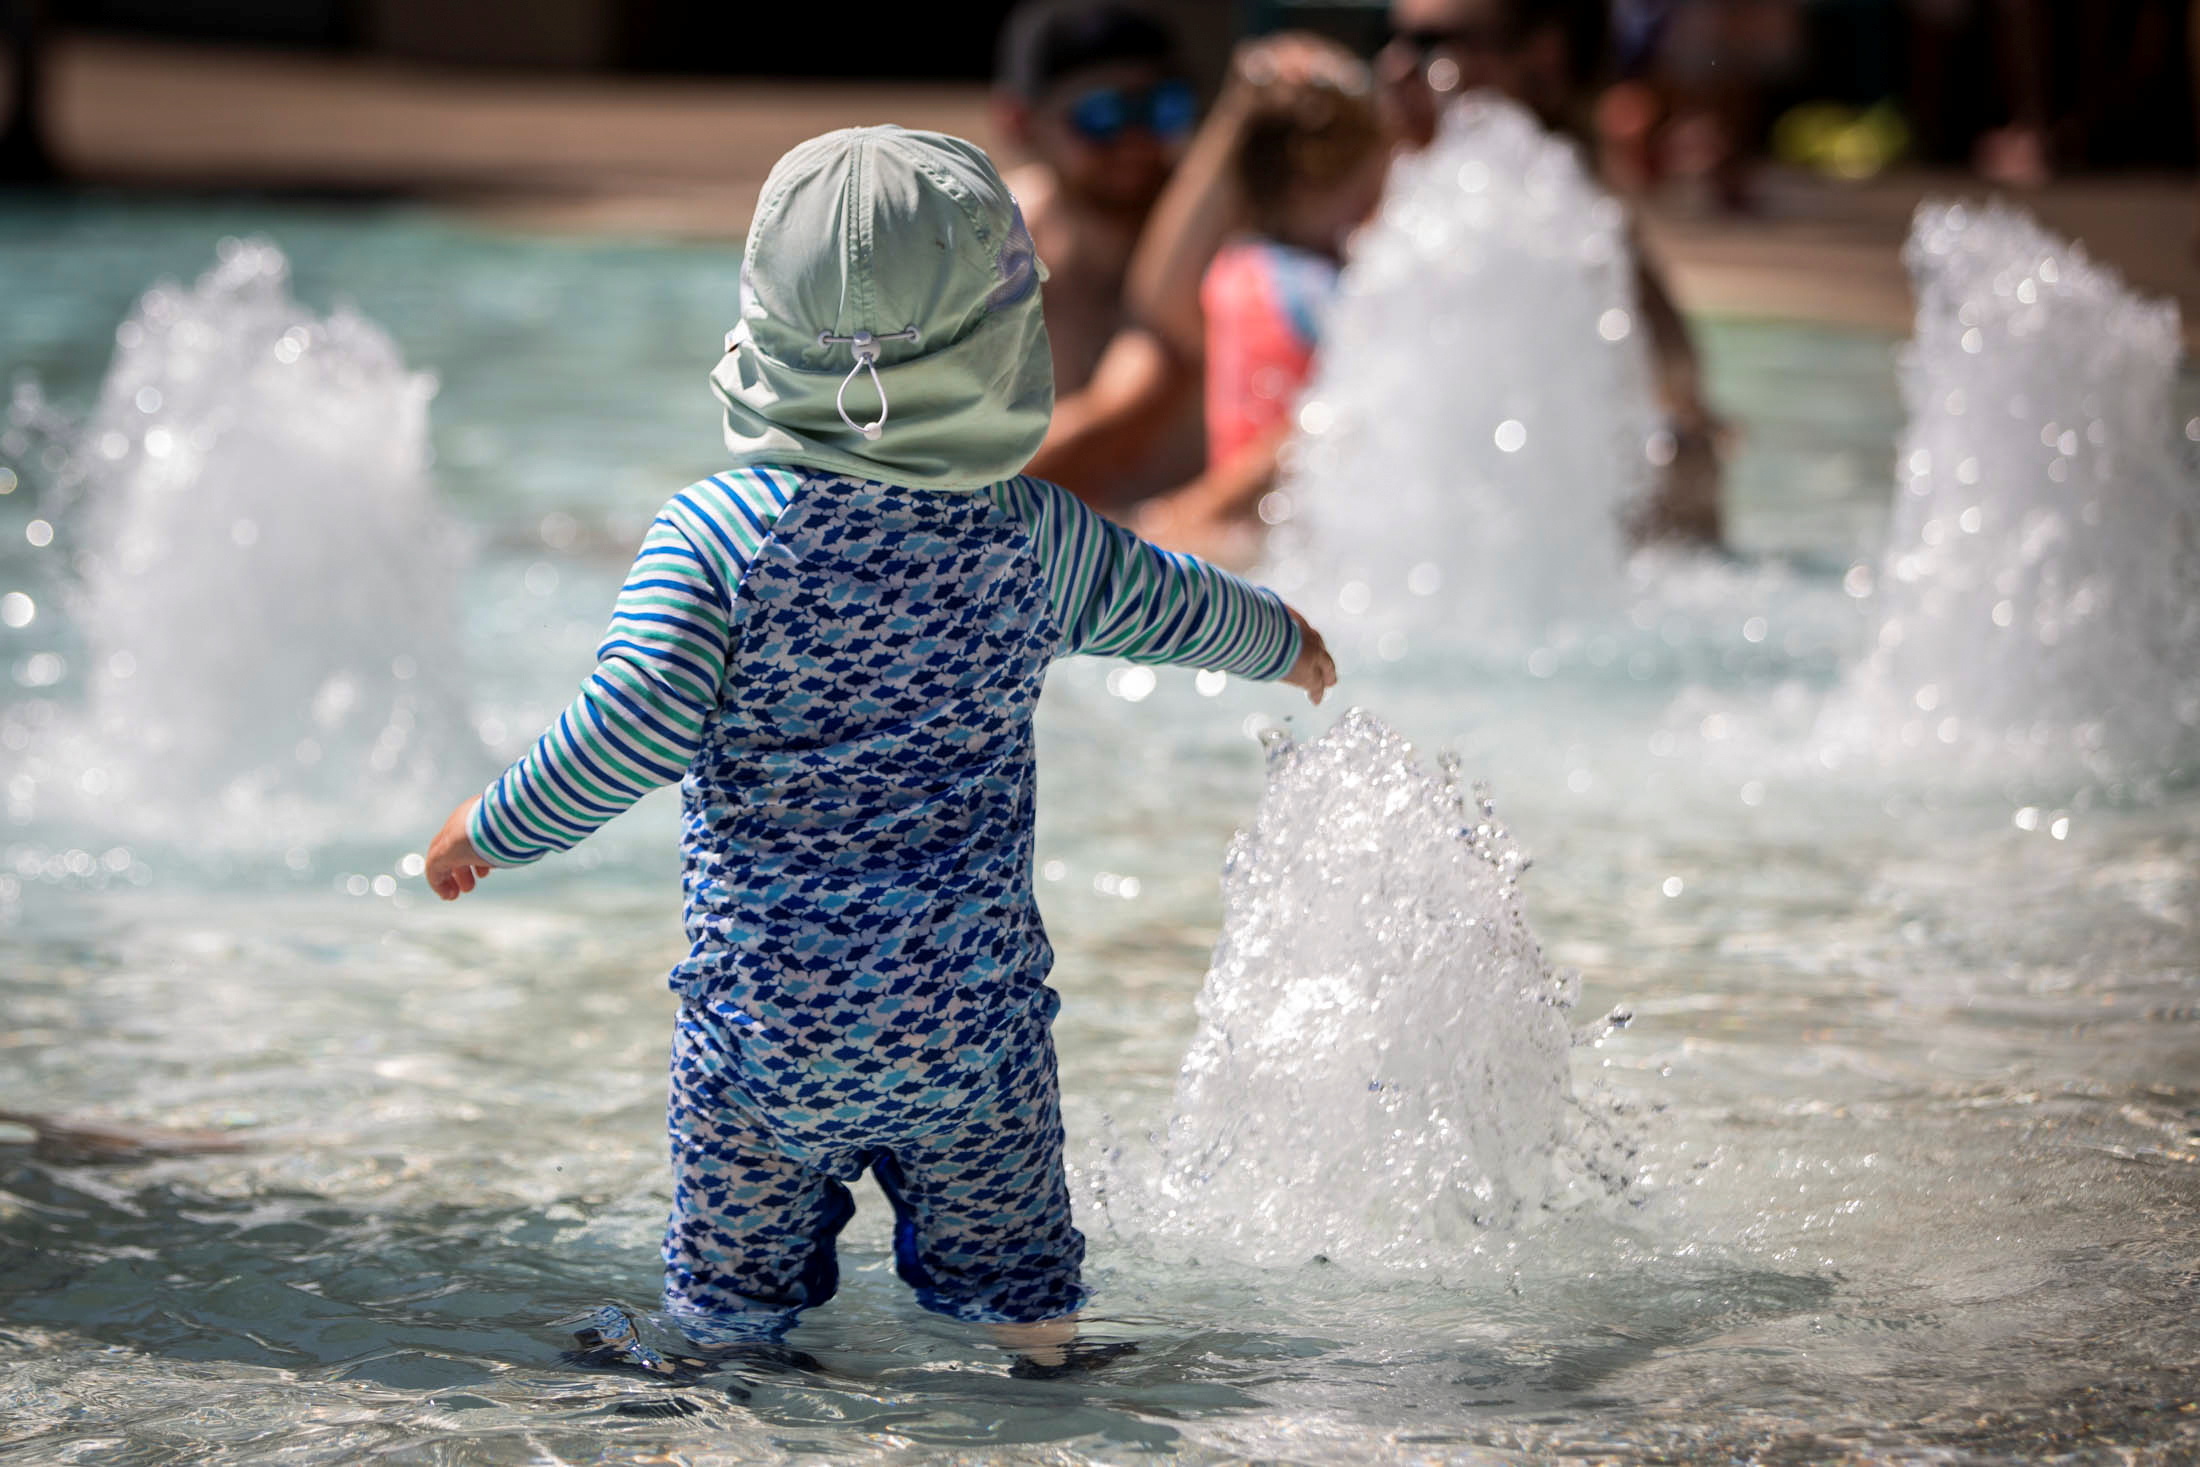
<point>2039,600</point>
<point>1482,416</point>
<point>1381,1074</point>
<point>267,580</point>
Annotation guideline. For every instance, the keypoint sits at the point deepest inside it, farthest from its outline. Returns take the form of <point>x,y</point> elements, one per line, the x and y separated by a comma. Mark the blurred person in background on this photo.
<point>2072,84</point>
<point>1093,94</point>
<point>1716,60</point>
<point>2014,153</point>
<point>1546,55</point>
<point>1241,260</point>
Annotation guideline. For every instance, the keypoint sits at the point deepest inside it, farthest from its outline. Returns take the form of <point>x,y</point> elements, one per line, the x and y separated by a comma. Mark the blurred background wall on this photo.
<point>2110,78</point>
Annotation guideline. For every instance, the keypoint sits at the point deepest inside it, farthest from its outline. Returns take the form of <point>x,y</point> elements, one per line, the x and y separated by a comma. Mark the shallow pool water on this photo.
<point>1913,1081</point>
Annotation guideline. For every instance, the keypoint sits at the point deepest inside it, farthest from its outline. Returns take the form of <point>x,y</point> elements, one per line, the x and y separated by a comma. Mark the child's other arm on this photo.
<point>1115,595</point>
<point>636,724</point>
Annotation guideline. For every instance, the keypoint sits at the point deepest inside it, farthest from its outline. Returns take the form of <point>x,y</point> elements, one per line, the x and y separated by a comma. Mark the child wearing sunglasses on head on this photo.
<point>1092,94</point>
<point>835,647</point>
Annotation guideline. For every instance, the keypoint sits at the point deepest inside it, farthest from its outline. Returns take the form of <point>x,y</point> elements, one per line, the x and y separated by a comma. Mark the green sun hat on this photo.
<point>890,319</point>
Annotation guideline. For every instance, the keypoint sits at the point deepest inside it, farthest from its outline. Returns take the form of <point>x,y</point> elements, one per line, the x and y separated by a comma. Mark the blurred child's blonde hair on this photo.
<point>1305,133</point>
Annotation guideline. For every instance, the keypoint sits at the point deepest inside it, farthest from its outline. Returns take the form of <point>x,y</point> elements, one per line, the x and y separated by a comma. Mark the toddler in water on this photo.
<point>835,647</point>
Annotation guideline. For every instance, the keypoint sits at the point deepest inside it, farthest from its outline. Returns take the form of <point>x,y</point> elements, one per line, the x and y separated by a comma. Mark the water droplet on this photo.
<point>2060,830</point>
<point>1210,683</point>
<point>385,885</point>
<point>147,399</point>
<point>1614,325</point>
<point>2028,818</point>
<point>412,863</point>
<point>1132,684</point>
<point>1425,579</point>
<point>1672,886</point>
<point>39,533</point>
<point>40,670</point>
<point>1974,341</point>
<point>1054,870</point>
<point>1753,793</point>
<point>1354,597</point>
<point>1755,629</point>
<point>17,609</point>
<point>1511,435</point>
<point>356,885</point>
<point>1316,417</point>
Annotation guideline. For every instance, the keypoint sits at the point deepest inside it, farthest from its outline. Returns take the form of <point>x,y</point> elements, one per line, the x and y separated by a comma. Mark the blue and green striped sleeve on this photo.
<point>638,720</point>
<point>1114,595</point>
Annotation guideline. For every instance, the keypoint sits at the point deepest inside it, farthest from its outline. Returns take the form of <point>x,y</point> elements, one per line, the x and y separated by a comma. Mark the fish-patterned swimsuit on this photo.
<point>841,675</point>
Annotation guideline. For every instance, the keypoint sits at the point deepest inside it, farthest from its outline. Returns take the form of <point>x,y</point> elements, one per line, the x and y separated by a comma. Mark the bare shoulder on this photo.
<point>1036,192</point>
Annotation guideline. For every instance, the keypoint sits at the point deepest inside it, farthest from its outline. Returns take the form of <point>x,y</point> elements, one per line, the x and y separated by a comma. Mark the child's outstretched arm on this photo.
<point>1115,595</point>
<point>638,720</point>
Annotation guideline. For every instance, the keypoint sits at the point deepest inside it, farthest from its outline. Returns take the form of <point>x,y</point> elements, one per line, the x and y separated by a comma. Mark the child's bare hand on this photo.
<point>453,863</point>
<point>1315,670</point>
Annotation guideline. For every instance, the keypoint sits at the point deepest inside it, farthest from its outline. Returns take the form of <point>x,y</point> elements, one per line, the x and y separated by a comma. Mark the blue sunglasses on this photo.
<point>1166,109</point>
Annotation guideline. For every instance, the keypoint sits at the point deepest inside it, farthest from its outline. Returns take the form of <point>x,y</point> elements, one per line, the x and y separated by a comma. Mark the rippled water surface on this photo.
<point>1913,1081</point>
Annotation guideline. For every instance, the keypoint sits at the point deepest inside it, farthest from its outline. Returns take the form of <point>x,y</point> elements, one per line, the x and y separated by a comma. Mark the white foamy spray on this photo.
<point>1381,1074</point>
<point>267,590</point>
<point>1482,417</point>
<point>2039,602</point>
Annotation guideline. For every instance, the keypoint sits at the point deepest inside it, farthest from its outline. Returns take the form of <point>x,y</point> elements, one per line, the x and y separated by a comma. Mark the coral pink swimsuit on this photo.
<point>1263,303</point>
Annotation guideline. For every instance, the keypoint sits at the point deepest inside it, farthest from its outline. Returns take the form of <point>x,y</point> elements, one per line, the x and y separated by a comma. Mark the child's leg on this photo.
<point>1046,1342</point>
<point>982,1212</point>
<point>750,1242</point>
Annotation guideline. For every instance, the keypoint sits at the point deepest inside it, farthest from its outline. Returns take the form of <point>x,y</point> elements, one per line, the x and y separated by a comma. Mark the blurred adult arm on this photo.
<point>1686,503</point>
